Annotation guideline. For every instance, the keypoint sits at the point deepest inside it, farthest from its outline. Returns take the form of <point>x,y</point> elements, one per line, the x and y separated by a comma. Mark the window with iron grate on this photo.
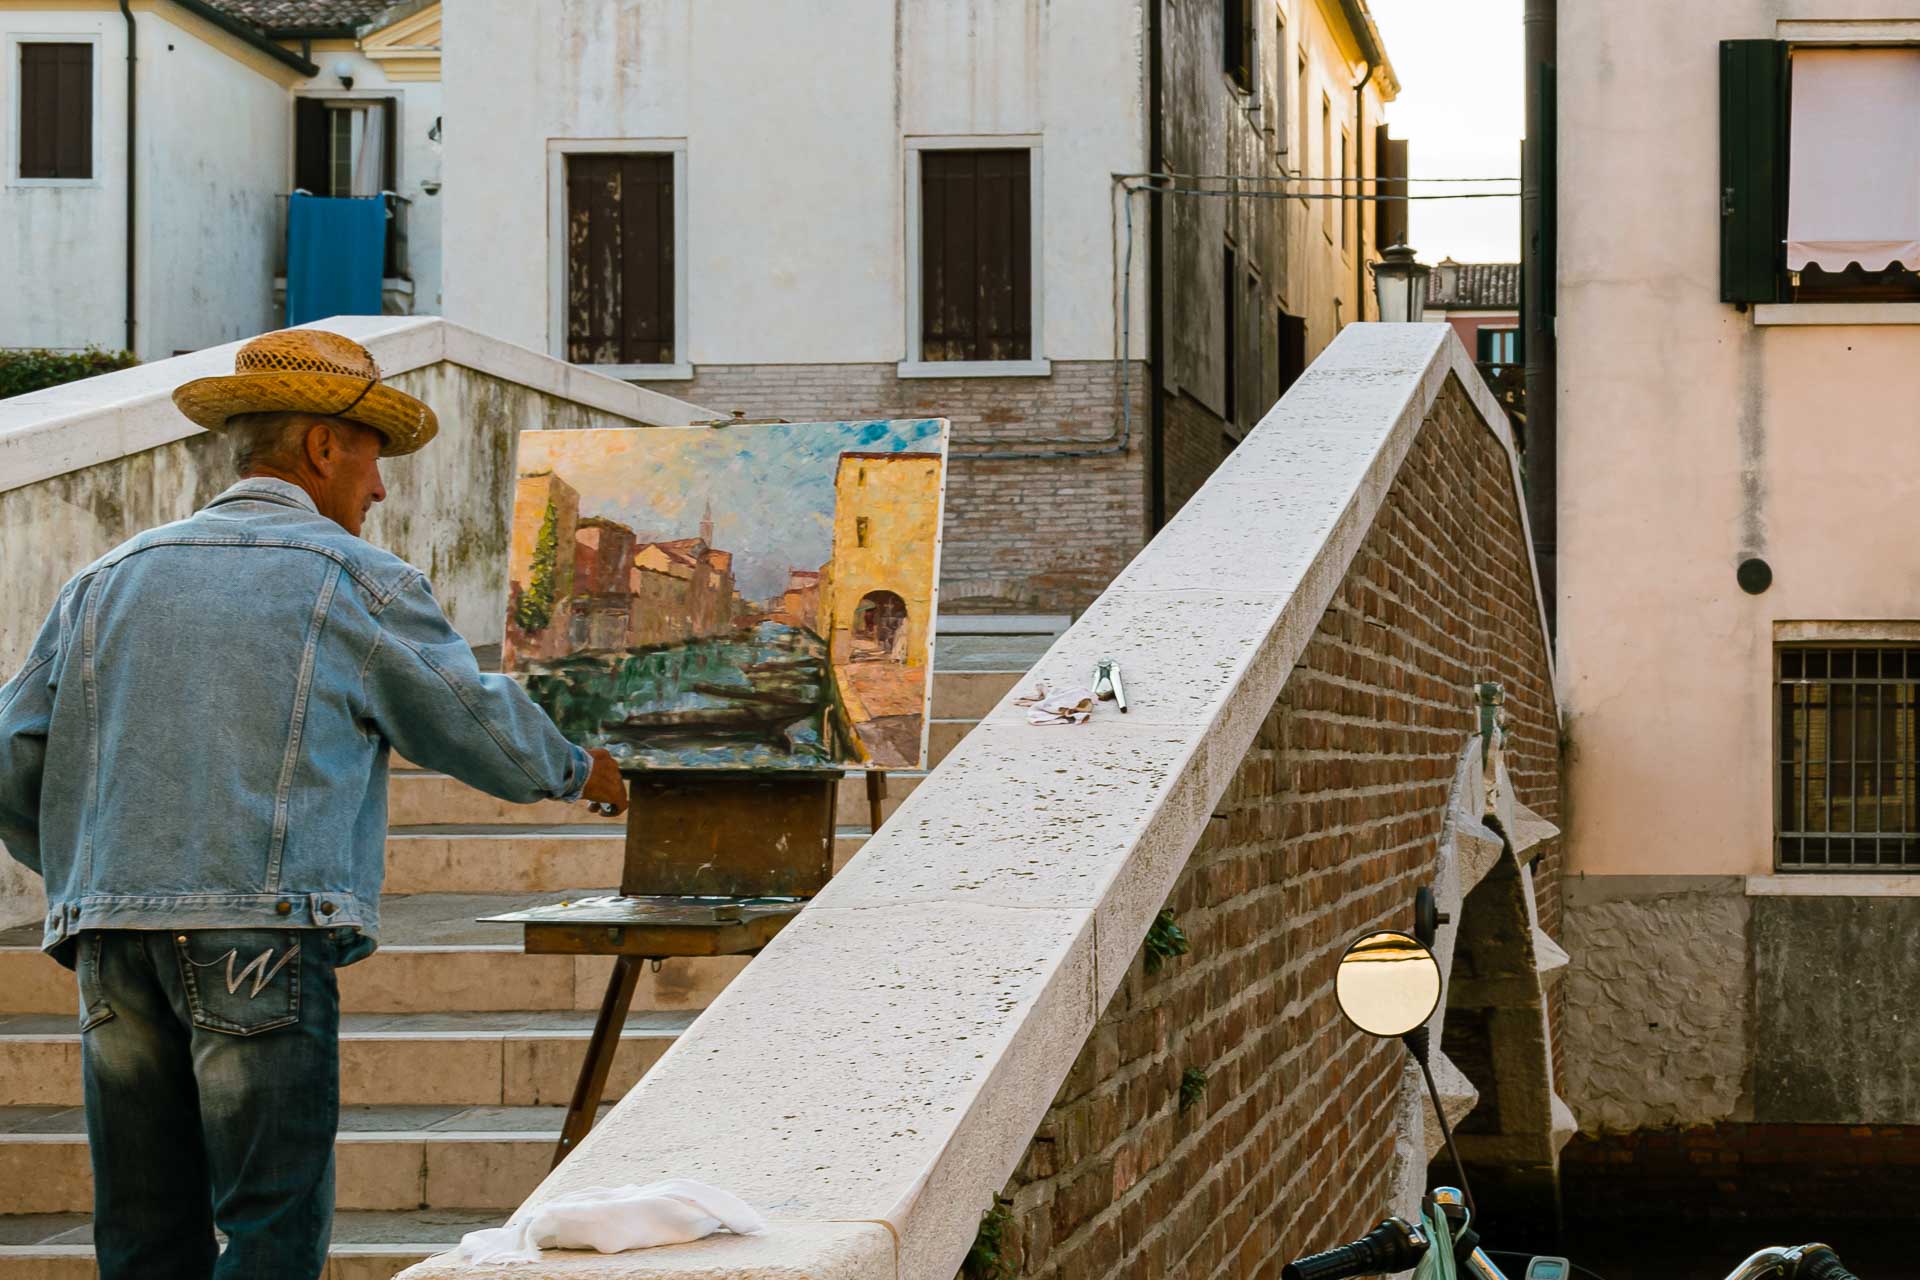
<point>1848,763</point>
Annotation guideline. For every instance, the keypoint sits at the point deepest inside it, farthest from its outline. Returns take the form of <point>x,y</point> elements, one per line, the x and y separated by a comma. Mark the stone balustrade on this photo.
<point>963,1006</point>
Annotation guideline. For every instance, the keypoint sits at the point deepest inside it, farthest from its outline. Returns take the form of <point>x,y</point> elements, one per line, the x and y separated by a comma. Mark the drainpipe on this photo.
<point>1156,276</point>
<point>133,101</point>
<point>1359,189</point>
<point>1537,275</point>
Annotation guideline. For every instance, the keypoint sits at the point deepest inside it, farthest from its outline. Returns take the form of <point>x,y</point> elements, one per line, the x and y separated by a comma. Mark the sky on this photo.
<point>771,486</point>
<point>1462,111</point>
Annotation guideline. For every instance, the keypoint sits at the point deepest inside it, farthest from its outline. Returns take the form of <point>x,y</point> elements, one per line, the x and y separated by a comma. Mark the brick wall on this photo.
<point>1196,444</point>
<point>1329,826</point>
<point>1032,534</point>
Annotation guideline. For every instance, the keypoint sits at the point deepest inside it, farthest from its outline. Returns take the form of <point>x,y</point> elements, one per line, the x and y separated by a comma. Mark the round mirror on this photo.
<point>1388,983</point>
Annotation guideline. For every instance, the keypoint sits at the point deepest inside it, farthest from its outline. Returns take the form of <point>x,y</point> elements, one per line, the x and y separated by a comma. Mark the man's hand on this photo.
<point>606,790</point>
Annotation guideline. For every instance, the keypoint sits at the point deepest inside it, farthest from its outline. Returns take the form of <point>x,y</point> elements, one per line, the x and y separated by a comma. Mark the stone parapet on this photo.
<point>965,999</point>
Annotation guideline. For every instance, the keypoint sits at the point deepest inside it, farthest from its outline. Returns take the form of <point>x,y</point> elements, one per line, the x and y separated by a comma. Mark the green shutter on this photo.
<point>1753,168</point>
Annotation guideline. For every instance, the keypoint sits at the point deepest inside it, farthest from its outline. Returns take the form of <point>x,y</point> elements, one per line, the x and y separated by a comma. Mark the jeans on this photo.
<point>211,1068</point>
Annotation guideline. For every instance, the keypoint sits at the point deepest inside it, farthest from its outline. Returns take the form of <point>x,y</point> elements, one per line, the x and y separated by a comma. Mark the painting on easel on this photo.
<point>744,597</point>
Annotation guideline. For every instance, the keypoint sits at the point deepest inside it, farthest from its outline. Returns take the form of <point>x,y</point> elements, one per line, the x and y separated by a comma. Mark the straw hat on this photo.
<point>310,371</point>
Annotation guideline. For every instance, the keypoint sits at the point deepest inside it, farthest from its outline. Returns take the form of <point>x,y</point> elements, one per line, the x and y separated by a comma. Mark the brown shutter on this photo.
<point>620,259</point>
<point>1230,339</point>
<point>976,255</point>
<point>1390,213</point>
<point>56,110</point>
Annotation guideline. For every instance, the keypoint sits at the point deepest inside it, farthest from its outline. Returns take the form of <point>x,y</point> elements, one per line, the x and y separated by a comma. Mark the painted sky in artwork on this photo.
<point>771,485</point>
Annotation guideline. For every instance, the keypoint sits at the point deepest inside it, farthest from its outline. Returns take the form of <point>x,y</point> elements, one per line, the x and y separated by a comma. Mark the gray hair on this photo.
<point>272,439</point>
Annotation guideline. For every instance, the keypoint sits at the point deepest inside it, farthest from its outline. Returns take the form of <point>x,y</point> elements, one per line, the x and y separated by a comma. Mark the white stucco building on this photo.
<point>216,93</point>
<point>1739,587</point>
<point>857,208</point>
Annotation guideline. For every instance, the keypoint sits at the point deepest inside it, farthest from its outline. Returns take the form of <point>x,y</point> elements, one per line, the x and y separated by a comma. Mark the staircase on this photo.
<point>458,1052</point>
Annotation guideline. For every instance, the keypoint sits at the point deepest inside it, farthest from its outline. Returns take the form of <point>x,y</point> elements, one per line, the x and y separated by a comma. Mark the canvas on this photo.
<point>740,597</point>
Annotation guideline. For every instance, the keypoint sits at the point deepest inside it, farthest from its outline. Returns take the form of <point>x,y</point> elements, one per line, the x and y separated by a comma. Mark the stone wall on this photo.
<point>1332,820</point>
<point>1032,534</point>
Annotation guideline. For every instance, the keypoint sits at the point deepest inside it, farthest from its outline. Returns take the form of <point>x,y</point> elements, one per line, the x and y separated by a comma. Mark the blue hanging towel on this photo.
<point>335,251</point>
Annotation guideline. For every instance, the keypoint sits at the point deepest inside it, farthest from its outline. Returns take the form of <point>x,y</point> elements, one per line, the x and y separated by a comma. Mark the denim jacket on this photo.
<point>199,737</point>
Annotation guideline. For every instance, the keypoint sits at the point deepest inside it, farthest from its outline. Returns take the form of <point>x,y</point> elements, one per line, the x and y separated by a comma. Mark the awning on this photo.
<point>1854,167</point>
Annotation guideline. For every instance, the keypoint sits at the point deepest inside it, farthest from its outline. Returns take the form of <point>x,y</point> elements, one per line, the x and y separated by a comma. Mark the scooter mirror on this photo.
<point>1388,983</point>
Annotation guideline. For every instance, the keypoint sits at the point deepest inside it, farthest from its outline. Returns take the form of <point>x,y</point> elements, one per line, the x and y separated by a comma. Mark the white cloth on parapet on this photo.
<point>613,1220</point>
<point>1049,705</point>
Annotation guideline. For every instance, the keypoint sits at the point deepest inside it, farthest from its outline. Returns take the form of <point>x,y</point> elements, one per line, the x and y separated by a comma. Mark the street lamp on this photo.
<point>1400,285</point>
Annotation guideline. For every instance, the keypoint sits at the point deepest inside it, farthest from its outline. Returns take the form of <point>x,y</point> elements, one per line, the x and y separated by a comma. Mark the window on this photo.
<point>1496,346</point>
<point>1236,43</point>
<point>860,524</point>
<point>620,259</point>
<point>56,111</point>
<point>346,147</point>
<point>1229,338</point>
<point>1304,91</point>
<point>1325,162</point>
<point>976,255</point>
<point>1819,179</point>
<point>1291,348</point>
<point>1277,123</point>
<point>1346,188</point>
<point>1848,788</point>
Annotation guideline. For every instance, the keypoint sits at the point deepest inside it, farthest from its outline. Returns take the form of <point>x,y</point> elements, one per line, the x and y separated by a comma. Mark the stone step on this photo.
<point>446,1059</point>
<point>435,957</point>
<point>366,1246</point>
<point>435,800</point>
<point>386,1158</point>
<point>497,858</point>
<point>431,979</point>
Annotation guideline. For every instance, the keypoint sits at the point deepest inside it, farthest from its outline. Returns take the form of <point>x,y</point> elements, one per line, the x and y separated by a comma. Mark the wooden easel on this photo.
<point>716,865</point>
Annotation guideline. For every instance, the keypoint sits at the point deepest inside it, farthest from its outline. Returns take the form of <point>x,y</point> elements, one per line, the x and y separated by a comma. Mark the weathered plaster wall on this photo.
<point>796,246</point>
<point>1657,1013</point>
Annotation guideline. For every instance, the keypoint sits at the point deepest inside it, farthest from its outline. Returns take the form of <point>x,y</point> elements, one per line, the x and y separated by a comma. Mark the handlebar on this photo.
<point>1392,1246</point>
<point>1822,1263</point>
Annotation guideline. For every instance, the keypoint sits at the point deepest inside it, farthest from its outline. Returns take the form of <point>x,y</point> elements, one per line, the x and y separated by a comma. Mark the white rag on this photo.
<point>1049,705</point>
<point>614,1219</point>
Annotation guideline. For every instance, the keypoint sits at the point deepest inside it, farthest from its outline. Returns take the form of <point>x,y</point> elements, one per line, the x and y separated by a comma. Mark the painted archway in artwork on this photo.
<point>880,628</point>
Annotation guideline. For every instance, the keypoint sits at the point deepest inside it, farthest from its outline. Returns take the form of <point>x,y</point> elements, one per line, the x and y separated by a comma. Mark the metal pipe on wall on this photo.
<point>133,100</point>
<point>1538,275</point>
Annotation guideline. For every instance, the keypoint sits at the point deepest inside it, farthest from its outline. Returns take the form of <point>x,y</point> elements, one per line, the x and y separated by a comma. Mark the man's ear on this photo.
<point>321,446</point>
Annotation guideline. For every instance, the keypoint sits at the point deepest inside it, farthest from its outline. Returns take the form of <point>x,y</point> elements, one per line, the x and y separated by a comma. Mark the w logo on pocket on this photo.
<point>257,967</point>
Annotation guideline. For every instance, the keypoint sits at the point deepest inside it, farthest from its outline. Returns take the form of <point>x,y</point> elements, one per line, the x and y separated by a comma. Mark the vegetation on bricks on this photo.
<point>985,1260</point>
<point>1193,1086</point>
<point>24,371</point>
<point>1165,940</point>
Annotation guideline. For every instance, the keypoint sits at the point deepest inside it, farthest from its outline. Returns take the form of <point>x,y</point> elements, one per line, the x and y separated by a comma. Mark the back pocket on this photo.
<point>241,981</point>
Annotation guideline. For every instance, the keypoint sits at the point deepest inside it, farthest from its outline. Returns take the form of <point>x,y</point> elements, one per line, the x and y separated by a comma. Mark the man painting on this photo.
<point>194,757</point>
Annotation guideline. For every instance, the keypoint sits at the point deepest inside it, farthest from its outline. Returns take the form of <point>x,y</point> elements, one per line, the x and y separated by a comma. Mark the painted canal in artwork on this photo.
<point>760,698</point>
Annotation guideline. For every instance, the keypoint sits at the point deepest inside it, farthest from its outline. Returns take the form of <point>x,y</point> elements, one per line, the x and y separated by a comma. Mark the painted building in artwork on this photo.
<point>235,104</point>
<point>879,606</point>
<point>602,592</point>
<point>930,221</point>
<point>799,604</point>
<point>546,522</point>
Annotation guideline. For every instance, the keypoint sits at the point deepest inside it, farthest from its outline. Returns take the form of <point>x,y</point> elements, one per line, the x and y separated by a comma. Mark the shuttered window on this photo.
<point>56,110</point>
<point>620,259</point>
<point>976,255</point>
